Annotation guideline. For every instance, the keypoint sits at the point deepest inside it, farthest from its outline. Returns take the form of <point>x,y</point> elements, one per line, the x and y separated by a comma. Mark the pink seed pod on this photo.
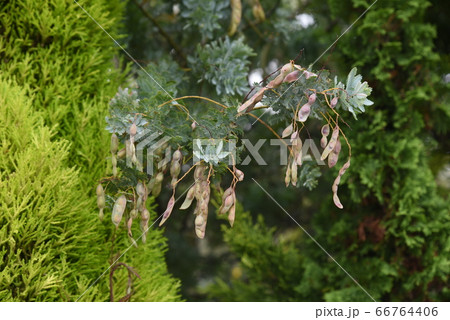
<point>294,137</point>
<point>325,130</point>
<point>331,144</point>
<point>287,131</point>
<point>304,112</point>
<point>312,99</point>
<point>193,125</point>
<point>114,143</point>
<point>118,210</point>
<point>298,159</point>
<point>227,204</point>
<point>323,142</point>
<point>337,202</point>
<point>133,130</point>
<point>309,74</point>
<point>332,159</point>
<point>168,211</point>
<point>333,102</point>
<point>337,147</point>
<point>189,198</point>
<point>286,69</point>
<point>232,215</point>
<point>239,174</point>
<point>291,77</point>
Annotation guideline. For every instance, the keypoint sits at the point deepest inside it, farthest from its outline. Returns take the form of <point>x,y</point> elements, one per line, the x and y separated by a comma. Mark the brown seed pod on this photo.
<point>236,12</point>
<point>168,211</point>
<point>118,210</point>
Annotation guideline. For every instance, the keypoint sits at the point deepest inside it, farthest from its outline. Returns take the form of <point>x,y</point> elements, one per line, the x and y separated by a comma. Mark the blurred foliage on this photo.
<point>59,71</point>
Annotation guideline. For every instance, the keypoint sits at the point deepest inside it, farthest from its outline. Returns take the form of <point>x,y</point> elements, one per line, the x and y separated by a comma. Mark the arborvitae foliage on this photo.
<point>393,235</point>
<point>53,149</point>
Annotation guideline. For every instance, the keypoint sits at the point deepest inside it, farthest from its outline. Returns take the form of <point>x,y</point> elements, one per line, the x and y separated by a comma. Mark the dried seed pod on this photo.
<point>294,173</point>
<point>144,229</point>
<point>336,182</point>
<point>168,211</point>
<point>145,215</point>
<point>333,102</point>
<point>236,12</point>
<point>151,184</point>
<point>129,224</point>
<point>100,201</point>
<point>291,77</point>
<point>227,200</point>
<point>133,130</point>
<point>232,215</point>
<point>175,169</point>
<point>331,144</point>
<point>118,210</point>
<point>133,213</point>
<point>304,112</point>
<point>287,179</point>
<point>122,153</point>
<point>258,11</point>
<point>140,189</point>
<point>199,226</point>
<point>332,159</point>
<point>250,103</point>
<point>287,131</point>
<point>193,125</point>
<point>325,130</point>
<point>312,99</point>
<point>337,147</point>
<point>239,174</point>
<point>323,142</point>
<point>114,165</point>
<point>189,198</point>
<point>294,137</point>
<point>114,143</point>
<point>309,74</point>
<point>177,155</point>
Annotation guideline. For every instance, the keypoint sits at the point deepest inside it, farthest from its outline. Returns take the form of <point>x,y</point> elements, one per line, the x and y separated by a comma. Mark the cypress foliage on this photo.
<point>58,74</point>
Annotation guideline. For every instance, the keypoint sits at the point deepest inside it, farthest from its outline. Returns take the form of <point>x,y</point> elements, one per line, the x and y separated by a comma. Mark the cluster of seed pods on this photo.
<point>290,72</point>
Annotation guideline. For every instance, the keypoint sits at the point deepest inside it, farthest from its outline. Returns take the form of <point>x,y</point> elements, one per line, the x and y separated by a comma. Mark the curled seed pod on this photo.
<point>325,130</point>
<point>258,11</point>
<point>118,210</point>
<point>323,142</point>
<point>304,112</point>
<point>236,12</point>
<point>287,179</point>
<point>122,153</point>
<point>189,198</point>
<point>168,211</point>
<point>331,144</point>
<point>291,77</point>
<point>114,143</point>
<point>239,174</point>
<point>333,102</point>
<point>287,131</point>
<point>336,182</point>
<point>312,99</point>
<point>294,173</point>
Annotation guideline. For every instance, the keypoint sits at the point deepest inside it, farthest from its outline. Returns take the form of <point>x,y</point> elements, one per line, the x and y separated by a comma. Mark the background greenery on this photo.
<point>58,71</point>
